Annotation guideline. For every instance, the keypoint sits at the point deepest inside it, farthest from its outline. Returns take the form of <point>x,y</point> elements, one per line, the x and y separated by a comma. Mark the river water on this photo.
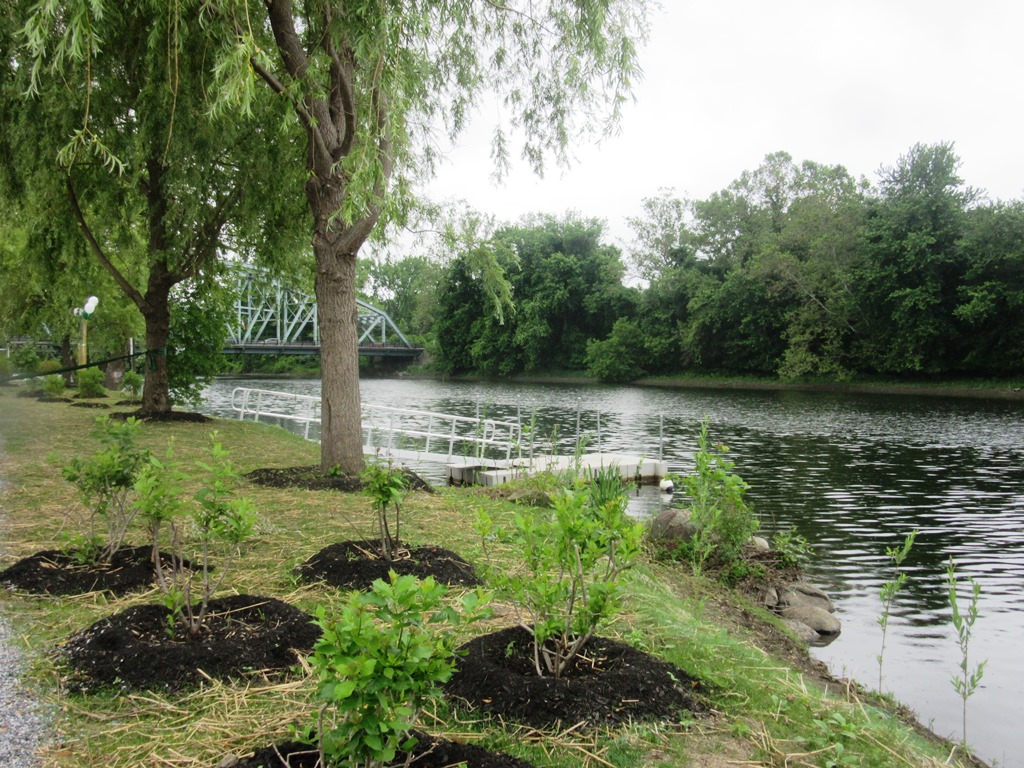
<point>851,473</point>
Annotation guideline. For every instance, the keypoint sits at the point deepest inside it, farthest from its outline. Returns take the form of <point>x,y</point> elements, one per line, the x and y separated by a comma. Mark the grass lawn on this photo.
<point>771,704</point>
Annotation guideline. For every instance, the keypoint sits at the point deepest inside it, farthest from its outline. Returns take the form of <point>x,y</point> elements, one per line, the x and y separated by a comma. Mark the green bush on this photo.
<point>379,661</point>
<point>724,522</point>
<point>50,366</point>
<point>218,518</point>
<point>53,386</point>
<point>5,366</point>
<point>25,359</point>
<point>574,555</point>
<point>90,382</point>
<point>132,383</point>
<point>105,480</point>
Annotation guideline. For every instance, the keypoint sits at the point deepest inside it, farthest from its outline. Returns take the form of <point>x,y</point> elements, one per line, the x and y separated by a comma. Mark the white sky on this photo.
<point>839,82</point>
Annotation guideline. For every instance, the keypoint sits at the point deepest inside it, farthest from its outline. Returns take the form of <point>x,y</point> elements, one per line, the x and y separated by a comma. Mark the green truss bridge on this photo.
<point>272,319</point>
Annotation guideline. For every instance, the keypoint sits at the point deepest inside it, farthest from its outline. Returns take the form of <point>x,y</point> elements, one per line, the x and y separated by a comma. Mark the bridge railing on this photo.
<point>400,432</point>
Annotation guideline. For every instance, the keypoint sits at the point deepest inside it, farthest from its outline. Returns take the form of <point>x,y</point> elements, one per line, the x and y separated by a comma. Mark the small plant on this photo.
<point>966,682</point>
<point>575,554</point>
<point>385,484</point>
<point>724,522</point>
<point>791,549</point>
<point>218,517</point>
<point>889,590</point>
<point>379,661</point>
<point>105,480</point>
<point>132,383</point>
<point>90,383</point>
<point>53,386</point>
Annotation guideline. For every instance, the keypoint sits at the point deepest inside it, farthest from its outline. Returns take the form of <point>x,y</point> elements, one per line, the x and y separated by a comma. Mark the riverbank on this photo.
<point>771,702</point>
<point>1002,389</point>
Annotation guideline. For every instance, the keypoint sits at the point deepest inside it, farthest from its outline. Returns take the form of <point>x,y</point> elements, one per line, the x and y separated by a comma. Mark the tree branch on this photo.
<point>129,290</point>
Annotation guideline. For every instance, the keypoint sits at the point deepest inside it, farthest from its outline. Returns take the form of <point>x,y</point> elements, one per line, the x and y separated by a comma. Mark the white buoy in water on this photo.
<point>667,486</point>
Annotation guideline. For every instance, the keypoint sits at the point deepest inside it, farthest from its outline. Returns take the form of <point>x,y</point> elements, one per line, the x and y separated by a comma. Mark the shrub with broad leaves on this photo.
<point>380,660</point>
<point>573,557</point>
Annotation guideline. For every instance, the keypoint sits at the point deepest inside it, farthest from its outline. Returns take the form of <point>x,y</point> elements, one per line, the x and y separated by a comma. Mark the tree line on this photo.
<point>798,271</point>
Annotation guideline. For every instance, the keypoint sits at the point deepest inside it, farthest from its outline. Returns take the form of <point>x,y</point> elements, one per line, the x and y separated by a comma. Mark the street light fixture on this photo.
<point>85,313</point>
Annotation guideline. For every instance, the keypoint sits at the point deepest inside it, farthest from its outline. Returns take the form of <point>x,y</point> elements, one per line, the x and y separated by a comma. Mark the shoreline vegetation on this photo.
<point>771,702</point>
<point>996,389</point>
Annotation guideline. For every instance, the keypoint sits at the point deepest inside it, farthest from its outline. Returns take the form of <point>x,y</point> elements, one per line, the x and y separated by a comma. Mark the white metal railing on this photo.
<point>400,432</point>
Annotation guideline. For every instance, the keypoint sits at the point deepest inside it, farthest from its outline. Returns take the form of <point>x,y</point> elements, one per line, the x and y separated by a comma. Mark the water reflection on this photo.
<point>853,474</point>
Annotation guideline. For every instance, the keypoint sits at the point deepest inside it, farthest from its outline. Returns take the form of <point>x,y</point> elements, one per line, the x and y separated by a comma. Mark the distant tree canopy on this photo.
<point>793,270</point>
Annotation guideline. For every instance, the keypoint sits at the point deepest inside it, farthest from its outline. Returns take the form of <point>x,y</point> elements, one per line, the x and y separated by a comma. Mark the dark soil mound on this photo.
<point>46,399</point>
<point>87,404</point>
<point>183,416</point>
<point>357,564</point>
<point>613,683</point>
<point>243,635</point>
<point>54,572</point>
<point>428,753</point>
<point>311,478</point>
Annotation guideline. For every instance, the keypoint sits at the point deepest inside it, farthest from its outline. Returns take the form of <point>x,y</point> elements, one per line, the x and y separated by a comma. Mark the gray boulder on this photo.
<point>673,524</point>
<point>800,593</point>
<point>801,630</point>
<point>818,619</point>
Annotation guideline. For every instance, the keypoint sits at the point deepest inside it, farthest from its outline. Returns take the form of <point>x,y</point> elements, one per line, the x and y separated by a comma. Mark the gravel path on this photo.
<point>22,725</point>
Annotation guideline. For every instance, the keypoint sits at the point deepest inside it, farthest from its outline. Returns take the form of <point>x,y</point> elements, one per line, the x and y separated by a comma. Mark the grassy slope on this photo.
<point>769,709</point>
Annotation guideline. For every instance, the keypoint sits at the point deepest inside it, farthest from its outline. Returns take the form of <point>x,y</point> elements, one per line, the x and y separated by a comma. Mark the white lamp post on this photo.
<point>85,313</point>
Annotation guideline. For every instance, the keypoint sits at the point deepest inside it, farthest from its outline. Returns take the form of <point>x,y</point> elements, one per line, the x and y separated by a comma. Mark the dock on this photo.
<point>631,467</point>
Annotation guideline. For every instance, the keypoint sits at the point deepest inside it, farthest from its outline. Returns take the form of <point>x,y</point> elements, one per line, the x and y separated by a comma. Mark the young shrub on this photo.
<point>53,386</point>
<point>25,359</point>
<point>105,481</point>
<point>90,383</point>
<point>218,519</point>
<point>379,661</point>
<point>889,590</point>
<point>574,555</point>
<point>718,509</point>
<point>132,383</point>
<point>966,682</point>
<point>385,484</point>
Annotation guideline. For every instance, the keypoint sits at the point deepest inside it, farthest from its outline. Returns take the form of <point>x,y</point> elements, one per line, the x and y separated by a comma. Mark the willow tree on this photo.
<point>368,82</point>
<point>110,143</point>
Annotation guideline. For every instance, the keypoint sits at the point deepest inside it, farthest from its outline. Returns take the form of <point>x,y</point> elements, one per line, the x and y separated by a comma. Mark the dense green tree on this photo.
<point>617,358</point>
<point>406,289</point>
<point>366,81</point>
<point>157,186</point>
<point>911,277</point>
<point>990,297</point>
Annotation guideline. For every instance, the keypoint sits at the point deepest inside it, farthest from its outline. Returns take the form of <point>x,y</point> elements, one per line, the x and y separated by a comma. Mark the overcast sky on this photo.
<point>834,81</point>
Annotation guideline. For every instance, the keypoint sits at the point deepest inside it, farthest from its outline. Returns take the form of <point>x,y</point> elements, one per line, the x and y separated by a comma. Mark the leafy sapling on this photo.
<point>967,680</point>
<point>105,481</point>
<point>889,590</point>
<point>723,520</point>
<point>574,556</point>
<point>385,484</point>
<point>217,517</point>
<point>379,661</point>
<point>132,383</point>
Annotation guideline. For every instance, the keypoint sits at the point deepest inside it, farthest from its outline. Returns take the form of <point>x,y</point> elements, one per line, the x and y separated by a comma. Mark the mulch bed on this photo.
<point>357,564</point>
<point>55,572</point>
<point>87,404</point>
<point>311,478</point>
<point>611,684</point>
<point>430,752</point>
<point>243,635</point>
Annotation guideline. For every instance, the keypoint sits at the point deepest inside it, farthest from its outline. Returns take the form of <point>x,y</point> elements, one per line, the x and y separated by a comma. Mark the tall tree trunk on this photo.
<point>341,442</point>
<point>157,314</point>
